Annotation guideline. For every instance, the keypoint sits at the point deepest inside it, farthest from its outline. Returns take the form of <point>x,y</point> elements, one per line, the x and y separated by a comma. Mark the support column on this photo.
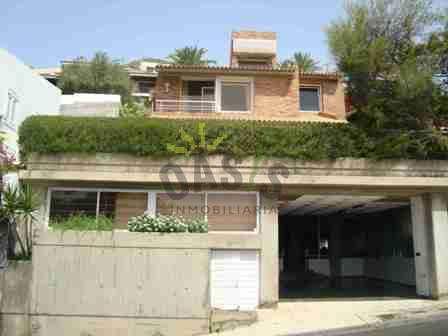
<point>335,253</point>
<point>269,282</point>
<point>430,231</point>
<point>439,219</point>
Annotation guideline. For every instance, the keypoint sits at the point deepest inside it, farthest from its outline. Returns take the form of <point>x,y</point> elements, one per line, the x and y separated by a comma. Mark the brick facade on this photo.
<point>275,98</point>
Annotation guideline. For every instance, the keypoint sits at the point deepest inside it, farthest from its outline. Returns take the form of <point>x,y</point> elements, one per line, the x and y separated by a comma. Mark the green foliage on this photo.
<point>167,224</point>
<point>132,109</point>
<point>82,222</point>
<point>18,209</point>
<point>389,74</point>
<point>101,74</point>
<point>190,56</point>
<point>304,62</point>
<point>238,139</point>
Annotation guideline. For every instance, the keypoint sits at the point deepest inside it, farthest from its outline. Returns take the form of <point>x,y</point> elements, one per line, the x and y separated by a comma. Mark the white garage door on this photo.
<point>235,280</point>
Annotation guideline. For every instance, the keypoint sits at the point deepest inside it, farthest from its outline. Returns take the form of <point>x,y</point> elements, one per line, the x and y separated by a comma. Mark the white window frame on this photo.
<point>319,92</point>
<point>218,92</point>
<point>11,108</point>
<point>152,203</point>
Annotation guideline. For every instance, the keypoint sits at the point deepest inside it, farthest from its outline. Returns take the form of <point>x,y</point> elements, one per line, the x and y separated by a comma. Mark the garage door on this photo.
<point>235,280</point>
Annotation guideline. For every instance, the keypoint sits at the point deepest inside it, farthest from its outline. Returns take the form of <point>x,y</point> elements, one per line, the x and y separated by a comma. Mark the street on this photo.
<point>434,327</point>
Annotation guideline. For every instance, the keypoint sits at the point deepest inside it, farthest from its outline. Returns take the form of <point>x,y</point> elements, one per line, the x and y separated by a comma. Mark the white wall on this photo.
<point>90,105</point>
<point>36,96</point>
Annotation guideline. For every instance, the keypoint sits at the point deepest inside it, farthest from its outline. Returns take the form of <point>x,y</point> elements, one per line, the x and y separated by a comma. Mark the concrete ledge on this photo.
<point>222,320</point>
<point>124,239</point>
<point>104,326</point>
<point>356,173</point>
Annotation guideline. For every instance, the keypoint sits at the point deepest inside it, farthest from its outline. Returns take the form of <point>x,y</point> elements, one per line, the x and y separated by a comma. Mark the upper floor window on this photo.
<point>235,96</point>
<point>309,99</point>
<point>144,87</point>
<point>11,107</point>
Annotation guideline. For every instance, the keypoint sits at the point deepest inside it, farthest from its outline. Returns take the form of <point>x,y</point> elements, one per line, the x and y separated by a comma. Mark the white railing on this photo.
<point>186,104</point>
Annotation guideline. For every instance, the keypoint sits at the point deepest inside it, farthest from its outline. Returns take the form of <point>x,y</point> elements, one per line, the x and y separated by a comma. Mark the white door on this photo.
<point>421,246</point>
<point>235,280</point>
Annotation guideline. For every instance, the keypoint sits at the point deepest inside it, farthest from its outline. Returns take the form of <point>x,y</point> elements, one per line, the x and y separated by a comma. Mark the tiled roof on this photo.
<point>244,69</point>
<point>221,69</point>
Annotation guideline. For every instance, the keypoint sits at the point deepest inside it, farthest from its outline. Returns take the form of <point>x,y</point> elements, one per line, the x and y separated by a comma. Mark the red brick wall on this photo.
<point>275,98</point>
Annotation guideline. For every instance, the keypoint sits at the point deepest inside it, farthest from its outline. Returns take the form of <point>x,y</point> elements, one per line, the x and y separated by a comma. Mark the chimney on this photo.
<point>253,49</point>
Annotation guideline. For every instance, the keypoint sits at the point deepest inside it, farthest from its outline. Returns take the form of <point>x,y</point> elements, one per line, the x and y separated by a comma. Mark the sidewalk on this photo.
<point>292,318</point>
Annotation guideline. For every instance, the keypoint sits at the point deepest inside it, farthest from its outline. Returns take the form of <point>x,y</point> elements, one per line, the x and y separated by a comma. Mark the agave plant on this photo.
<point>18,210</point>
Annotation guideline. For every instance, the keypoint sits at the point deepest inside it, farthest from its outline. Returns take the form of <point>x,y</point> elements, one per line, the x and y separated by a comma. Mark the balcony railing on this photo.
<point>186,104</point>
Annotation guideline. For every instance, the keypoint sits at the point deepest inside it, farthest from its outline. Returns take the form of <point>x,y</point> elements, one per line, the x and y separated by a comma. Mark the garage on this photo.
<point>346,246</point>
<point>235,279</point>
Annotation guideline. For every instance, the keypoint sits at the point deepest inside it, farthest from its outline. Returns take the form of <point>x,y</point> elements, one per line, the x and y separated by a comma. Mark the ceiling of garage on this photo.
<point>323,205</point>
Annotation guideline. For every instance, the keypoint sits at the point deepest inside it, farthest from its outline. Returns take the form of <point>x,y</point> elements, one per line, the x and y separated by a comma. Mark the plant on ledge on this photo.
<point>82,222</point>
<point>167,224</point>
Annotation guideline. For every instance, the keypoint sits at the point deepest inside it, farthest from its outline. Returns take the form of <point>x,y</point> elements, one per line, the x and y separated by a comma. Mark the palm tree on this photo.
<point>190,56</point>
<point>303,61</point>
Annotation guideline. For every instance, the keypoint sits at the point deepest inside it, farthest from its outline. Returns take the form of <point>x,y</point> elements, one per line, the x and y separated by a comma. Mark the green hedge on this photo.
<point>151,137</point>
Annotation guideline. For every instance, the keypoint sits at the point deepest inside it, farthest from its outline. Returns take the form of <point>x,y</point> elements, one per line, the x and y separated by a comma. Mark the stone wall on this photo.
<point>15,288</point>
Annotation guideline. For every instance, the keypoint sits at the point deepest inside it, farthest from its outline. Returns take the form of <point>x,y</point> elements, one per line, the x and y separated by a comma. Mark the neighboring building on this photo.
<point>321,223</point>
<point>142,74</point>
<point>22,94</point>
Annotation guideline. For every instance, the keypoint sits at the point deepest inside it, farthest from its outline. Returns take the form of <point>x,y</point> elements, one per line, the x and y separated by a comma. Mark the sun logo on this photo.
<point>193,146</point>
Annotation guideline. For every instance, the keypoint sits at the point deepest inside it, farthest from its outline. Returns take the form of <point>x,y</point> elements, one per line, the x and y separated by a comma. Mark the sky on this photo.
<point>42,33</point>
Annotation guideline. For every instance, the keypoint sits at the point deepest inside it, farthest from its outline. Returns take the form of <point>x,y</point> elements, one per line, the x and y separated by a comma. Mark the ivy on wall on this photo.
<point>157,138</point>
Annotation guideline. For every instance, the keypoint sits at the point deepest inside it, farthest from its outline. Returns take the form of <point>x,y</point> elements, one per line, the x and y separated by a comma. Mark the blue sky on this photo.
<point>42,33</point>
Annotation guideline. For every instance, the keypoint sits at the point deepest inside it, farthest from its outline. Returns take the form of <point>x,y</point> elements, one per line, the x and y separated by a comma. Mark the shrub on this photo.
<point>166,224</point>
<point>151,137</point>
<point>82,222</point>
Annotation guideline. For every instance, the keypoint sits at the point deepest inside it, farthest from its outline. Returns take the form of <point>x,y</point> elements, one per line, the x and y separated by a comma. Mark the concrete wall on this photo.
<point>35,95</point>
<point>15,286</point>
<point>98,284</point>
<point>112,282</point>
<point>395,269</point>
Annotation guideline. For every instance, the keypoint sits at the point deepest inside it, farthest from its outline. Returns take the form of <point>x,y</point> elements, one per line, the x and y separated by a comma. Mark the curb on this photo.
<point>399,322</point>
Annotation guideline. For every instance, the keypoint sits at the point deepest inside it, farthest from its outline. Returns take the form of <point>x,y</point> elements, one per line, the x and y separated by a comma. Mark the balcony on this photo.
<point>193,104</point>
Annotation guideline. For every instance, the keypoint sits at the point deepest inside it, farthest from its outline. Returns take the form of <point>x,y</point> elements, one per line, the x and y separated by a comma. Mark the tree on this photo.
<point>101,74</point>
<point>389,80</point>
<point>303,61</point>
<point>190,56</point>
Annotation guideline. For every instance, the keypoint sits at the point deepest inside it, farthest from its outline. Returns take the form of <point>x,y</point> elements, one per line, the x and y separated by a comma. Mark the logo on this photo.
<point>196,144</point>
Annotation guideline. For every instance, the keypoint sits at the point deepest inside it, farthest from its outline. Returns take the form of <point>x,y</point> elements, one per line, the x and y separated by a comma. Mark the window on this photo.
<point>232,211</point>
<point>119,206</point>
<point>235,96</point>
<point>224,211</point>
<point>190,206</point>
<point>309,99</point>
<point>11,107</point>
<point>144,87</point>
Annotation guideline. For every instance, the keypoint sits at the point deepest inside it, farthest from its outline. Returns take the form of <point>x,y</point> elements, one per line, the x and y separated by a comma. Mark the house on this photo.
<point>22,94</point>
<point>291,206</point>
<point>142,74</point>
<point>252,86</point>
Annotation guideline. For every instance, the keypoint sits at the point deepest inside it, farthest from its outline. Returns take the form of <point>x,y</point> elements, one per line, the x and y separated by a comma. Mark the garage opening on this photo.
<point>339,246</point>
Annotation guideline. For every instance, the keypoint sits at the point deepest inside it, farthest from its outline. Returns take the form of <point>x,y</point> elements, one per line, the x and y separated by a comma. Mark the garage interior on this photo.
<point>342,246</point>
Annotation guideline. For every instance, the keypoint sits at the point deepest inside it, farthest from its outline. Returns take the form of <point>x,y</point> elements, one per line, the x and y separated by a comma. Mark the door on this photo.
<point>235,278</point>
<point>420,233</point>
